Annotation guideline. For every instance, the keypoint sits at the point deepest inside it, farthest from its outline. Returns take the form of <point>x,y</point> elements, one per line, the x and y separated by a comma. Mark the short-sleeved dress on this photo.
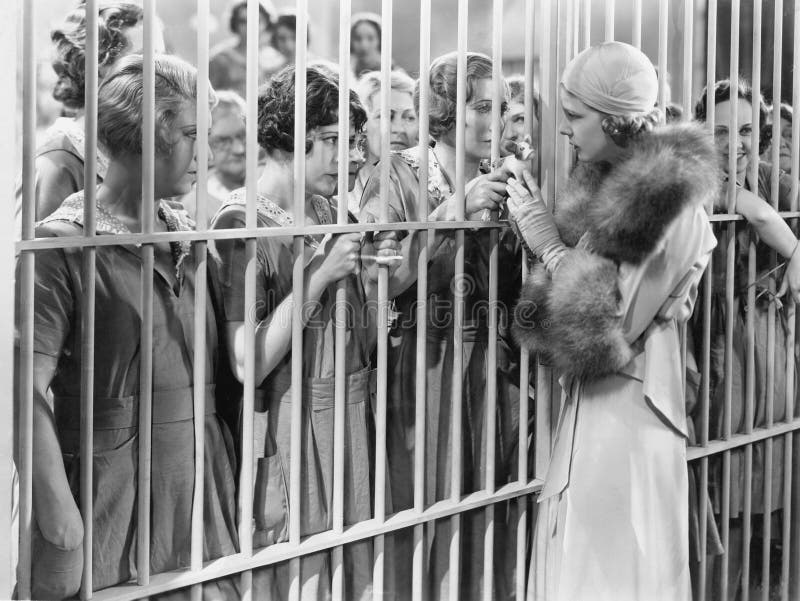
<point>274,257</point>
<point>57,325</point>
<point>59,168</point>
<point>404,206</point>
<point>762,342</point>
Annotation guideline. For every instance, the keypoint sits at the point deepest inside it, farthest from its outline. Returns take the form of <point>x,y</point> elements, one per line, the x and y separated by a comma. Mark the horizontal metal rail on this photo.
<point>234,564</point>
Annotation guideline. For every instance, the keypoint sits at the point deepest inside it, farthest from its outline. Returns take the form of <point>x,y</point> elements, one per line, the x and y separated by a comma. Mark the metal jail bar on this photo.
<point>8,153</point>
<point>567,30</point>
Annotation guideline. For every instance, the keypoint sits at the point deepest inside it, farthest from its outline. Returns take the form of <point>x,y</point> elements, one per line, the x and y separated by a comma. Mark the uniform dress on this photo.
<point>764,394</point>
<point>404,206</point>
<point>59,169</point>
<point>273,398</point>
<point>57,325</point>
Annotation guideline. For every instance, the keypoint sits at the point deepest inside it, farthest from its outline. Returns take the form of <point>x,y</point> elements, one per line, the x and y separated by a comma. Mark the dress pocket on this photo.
<point>114,512</point>
<point>271,502</point>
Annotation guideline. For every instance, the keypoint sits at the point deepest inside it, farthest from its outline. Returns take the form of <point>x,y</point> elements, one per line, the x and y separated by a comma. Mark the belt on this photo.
<point>115,413</point>
<point>319,392</point>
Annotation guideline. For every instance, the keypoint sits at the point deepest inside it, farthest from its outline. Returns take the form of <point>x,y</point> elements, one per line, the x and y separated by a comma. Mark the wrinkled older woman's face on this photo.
<point>227,140</point>
<point>176,172</point>
<point>403,123</point>
<point>583,126</point>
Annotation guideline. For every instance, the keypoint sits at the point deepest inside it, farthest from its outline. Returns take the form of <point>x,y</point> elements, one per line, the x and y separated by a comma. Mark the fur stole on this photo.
<point>618,214</point>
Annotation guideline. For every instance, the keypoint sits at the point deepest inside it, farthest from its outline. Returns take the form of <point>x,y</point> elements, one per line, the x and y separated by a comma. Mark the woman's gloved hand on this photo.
<point>534,221</point>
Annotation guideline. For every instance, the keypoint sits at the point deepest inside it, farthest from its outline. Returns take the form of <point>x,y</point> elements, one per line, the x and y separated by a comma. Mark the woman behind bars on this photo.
<point>327,262</point>
<point>620,266</point>
<point>58,318</point>
<point>403,122</point>
<point>753,202</point>
<point>483,191</point>
<point>59,160</point>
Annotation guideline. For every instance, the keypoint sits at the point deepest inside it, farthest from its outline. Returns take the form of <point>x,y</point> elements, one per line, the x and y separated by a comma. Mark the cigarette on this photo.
<point>382,259</point>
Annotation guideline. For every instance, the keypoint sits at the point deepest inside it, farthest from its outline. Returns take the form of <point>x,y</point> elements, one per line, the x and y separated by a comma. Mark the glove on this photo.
<point>534,222</point>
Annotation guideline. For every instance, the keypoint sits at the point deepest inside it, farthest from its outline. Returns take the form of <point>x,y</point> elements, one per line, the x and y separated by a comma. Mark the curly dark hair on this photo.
<point>442,109</point>
<point>276,106</point>
<point>723,92</point>
<point>69,39</point>
<point>624,128</point>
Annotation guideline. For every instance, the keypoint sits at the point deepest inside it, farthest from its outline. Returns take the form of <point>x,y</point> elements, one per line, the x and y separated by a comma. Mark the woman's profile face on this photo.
<point>583,126</point>
<point>176,172</point>
<point>365,40</point>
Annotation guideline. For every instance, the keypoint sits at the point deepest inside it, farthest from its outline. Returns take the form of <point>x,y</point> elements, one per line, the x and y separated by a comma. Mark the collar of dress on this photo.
<point>270,210</point>
<point>177,220</point>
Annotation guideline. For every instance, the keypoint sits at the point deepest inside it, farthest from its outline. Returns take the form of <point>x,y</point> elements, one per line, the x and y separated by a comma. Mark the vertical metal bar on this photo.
<point>688,56</point>
<point>201,297</point>
<point>663,33</point>
<point>791,534</point>
<point>148,260</point>
<point>498,84</point>
<point>586,10</point>
<point>249,383</point>
<point>569,30</point>
<point>636,38</point>
<point>774,198</point>
<point>547,176</point>
<point>340,342</point>
<point>418,560</point>
<point>383,305</point>
<point>705,391</point>
<point>88,298</point>
<point>750,321</point>
<point>8,154</point>
<point>458,300</point>
<point>608,29</point>
<point>524,361</point>
<point>295,491</point>
<point>26,292</point>
<point>729,300</point>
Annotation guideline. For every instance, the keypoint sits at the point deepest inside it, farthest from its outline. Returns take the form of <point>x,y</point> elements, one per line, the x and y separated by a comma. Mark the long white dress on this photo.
<point>612,520</point>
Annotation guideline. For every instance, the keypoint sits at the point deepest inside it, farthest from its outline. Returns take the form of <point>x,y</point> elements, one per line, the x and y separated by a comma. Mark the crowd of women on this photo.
<point>615,272</point>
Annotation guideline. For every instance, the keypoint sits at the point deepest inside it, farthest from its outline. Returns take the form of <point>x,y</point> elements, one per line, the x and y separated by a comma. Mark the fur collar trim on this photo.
<point>624,210</point>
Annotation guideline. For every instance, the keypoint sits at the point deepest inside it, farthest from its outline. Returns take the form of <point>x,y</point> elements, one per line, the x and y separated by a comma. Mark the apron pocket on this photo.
<point>271,502</point>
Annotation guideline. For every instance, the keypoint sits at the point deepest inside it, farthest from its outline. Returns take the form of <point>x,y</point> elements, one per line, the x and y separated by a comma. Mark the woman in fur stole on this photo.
<point>621,262</point>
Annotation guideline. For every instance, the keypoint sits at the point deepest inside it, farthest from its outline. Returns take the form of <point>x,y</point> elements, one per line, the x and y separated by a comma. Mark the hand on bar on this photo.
<point>340,255</point>
<point>380,249</point>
